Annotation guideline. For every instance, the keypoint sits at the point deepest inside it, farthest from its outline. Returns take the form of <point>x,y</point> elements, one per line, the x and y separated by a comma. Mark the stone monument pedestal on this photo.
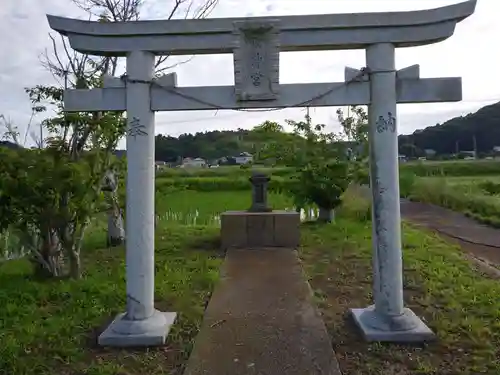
<point>246,229</point>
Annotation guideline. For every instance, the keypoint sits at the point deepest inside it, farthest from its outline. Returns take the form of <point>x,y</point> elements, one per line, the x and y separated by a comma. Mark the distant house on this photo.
<point>193,163</point>
<point>468,155</point>
<point>243,158</point>
<point>429,152</point>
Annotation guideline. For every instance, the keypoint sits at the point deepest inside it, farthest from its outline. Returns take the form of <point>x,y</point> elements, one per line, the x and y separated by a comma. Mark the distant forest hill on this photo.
<point>445,139</point>
<point>207,145</point>
<point>8,144</point>
<point>458,134</point>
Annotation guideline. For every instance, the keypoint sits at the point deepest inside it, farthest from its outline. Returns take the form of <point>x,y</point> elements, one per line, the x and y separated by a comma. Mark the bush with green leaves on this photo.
<point>320,170</point>
<point>321,184</point>
<point>490,187</point>
<point>46,200</point>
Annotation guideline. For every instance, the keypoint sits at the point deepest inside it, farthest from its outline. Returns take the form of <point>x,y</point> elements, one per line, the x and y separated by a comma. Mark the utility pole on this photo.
<point>474,142</point>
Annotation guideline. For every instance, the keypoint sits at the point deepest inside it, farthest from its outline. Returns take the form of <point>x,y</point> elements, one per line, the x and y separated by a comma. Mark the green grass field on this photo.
<point>475,196</point>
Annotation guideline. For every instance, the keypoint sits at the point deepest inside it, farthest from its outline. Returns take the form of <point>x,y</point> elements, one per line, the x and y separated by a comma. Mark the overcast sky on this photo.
<point>472,53</point>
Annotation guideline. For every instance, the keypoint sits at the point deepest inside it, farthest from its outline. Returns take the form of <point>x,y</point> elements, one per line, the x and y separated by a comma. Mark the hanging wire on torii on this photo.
<point>362,72</point>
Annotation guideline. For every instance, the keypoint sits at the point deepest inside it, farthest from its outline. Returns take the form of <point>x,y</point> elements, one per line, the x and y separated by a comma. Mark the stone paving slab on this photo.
<point>261,320</point>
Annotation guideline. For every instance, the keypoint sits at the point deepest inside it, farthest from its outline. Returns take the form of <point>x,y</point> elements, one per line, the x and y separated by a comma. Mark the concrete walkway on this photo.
<point>261,320</point>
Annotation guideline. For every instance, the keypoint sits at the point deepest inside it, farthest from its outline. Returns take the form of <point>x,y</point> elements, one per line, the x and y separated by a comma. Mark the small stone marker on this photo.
<point>259,183</point>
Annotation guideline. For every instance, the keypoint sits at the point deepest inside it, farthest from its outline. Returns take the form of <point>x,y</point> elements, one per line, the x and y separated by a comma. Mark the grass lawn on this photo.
<point>51,327</point>
<point>456,301</point>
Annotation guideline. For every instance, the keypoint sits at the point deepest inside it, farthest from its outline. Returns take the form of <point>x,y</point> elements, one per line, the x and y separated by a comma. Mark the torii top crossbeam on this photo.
<point>296,33</point>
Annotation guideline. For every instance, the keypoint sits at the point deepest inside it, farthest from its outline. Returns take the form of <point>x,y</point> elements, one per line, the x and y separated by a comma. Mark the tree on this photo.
<point>270,142</point>
<point>355,129</point>
<point>321,170</point>
<point>46,200</point>
<point>86,141</point>
<point>82,70</point>
<point>355,132</point>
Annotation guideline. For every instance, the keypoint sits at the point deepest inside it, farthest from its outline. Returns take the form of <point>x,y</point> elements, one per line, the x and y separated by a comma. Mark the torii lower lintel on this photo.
<point>170,98</point>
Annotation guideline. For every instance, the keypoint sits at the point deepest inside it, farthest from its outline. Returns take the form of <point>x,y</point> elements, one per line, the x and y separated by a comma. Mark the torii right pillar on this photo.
<point>387,320</point>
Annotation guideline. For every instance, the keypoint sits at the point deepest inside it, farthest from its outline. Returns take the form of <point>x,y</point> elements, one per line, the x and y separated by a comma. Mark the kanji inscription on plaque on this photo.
<point>256,60</point>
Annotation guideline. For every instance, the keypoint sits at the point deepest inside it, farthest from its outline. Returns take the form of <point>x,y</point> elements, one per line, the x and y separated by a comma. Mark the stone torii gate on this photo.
<point>255,44</point>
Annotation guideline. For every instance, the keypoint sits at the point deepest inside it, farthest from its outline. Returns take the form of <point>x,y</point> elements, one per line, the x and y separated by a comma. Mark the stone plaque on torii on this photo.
<point>255,44</point>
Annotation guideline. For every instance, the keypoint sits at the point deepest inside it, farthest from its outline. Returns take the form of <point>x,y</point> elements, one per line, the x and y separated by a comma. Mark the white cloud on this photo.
<point>471,53</point>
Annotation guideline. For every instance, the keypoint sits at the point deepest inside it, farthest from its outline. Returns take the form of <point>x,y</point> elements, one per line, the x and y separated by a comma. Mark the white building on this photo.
<point>244,158</point>
<point>193,163</point>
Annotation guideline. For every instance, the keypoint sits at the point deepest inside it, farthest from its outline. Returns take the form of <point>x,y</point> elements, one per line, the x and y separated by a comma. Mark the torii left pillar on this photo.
<point>141,324</point>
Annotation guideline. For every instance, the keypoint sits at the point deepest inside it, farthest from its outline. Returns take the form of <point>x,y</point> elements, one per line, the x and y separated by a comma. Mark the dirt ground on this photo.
<point>480,242</point>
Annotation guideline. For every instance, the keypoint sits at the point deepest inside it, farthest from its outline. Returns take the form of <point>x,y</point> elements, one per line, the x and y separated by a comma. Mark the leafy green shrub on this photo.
<point>47,199</point>
<point>490,187</point>
<point>356,203</point>
<point>321,171</point>
<point>361,176</point>
<point>322,184</point>
<point>406,182</point>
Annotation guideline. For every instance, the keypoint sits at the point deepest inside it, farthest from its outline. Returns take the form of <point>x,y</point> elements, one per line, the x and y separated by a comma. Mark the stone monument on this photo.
<point>260,226</point>
<point>259,183</point>
<point>255,44</point>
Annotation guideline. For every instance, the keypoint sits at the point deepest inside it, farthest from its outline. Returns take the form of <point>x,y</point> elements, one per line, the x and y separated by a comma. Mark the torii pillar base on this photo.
<point>407,328</point>
<point>123,332</point>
